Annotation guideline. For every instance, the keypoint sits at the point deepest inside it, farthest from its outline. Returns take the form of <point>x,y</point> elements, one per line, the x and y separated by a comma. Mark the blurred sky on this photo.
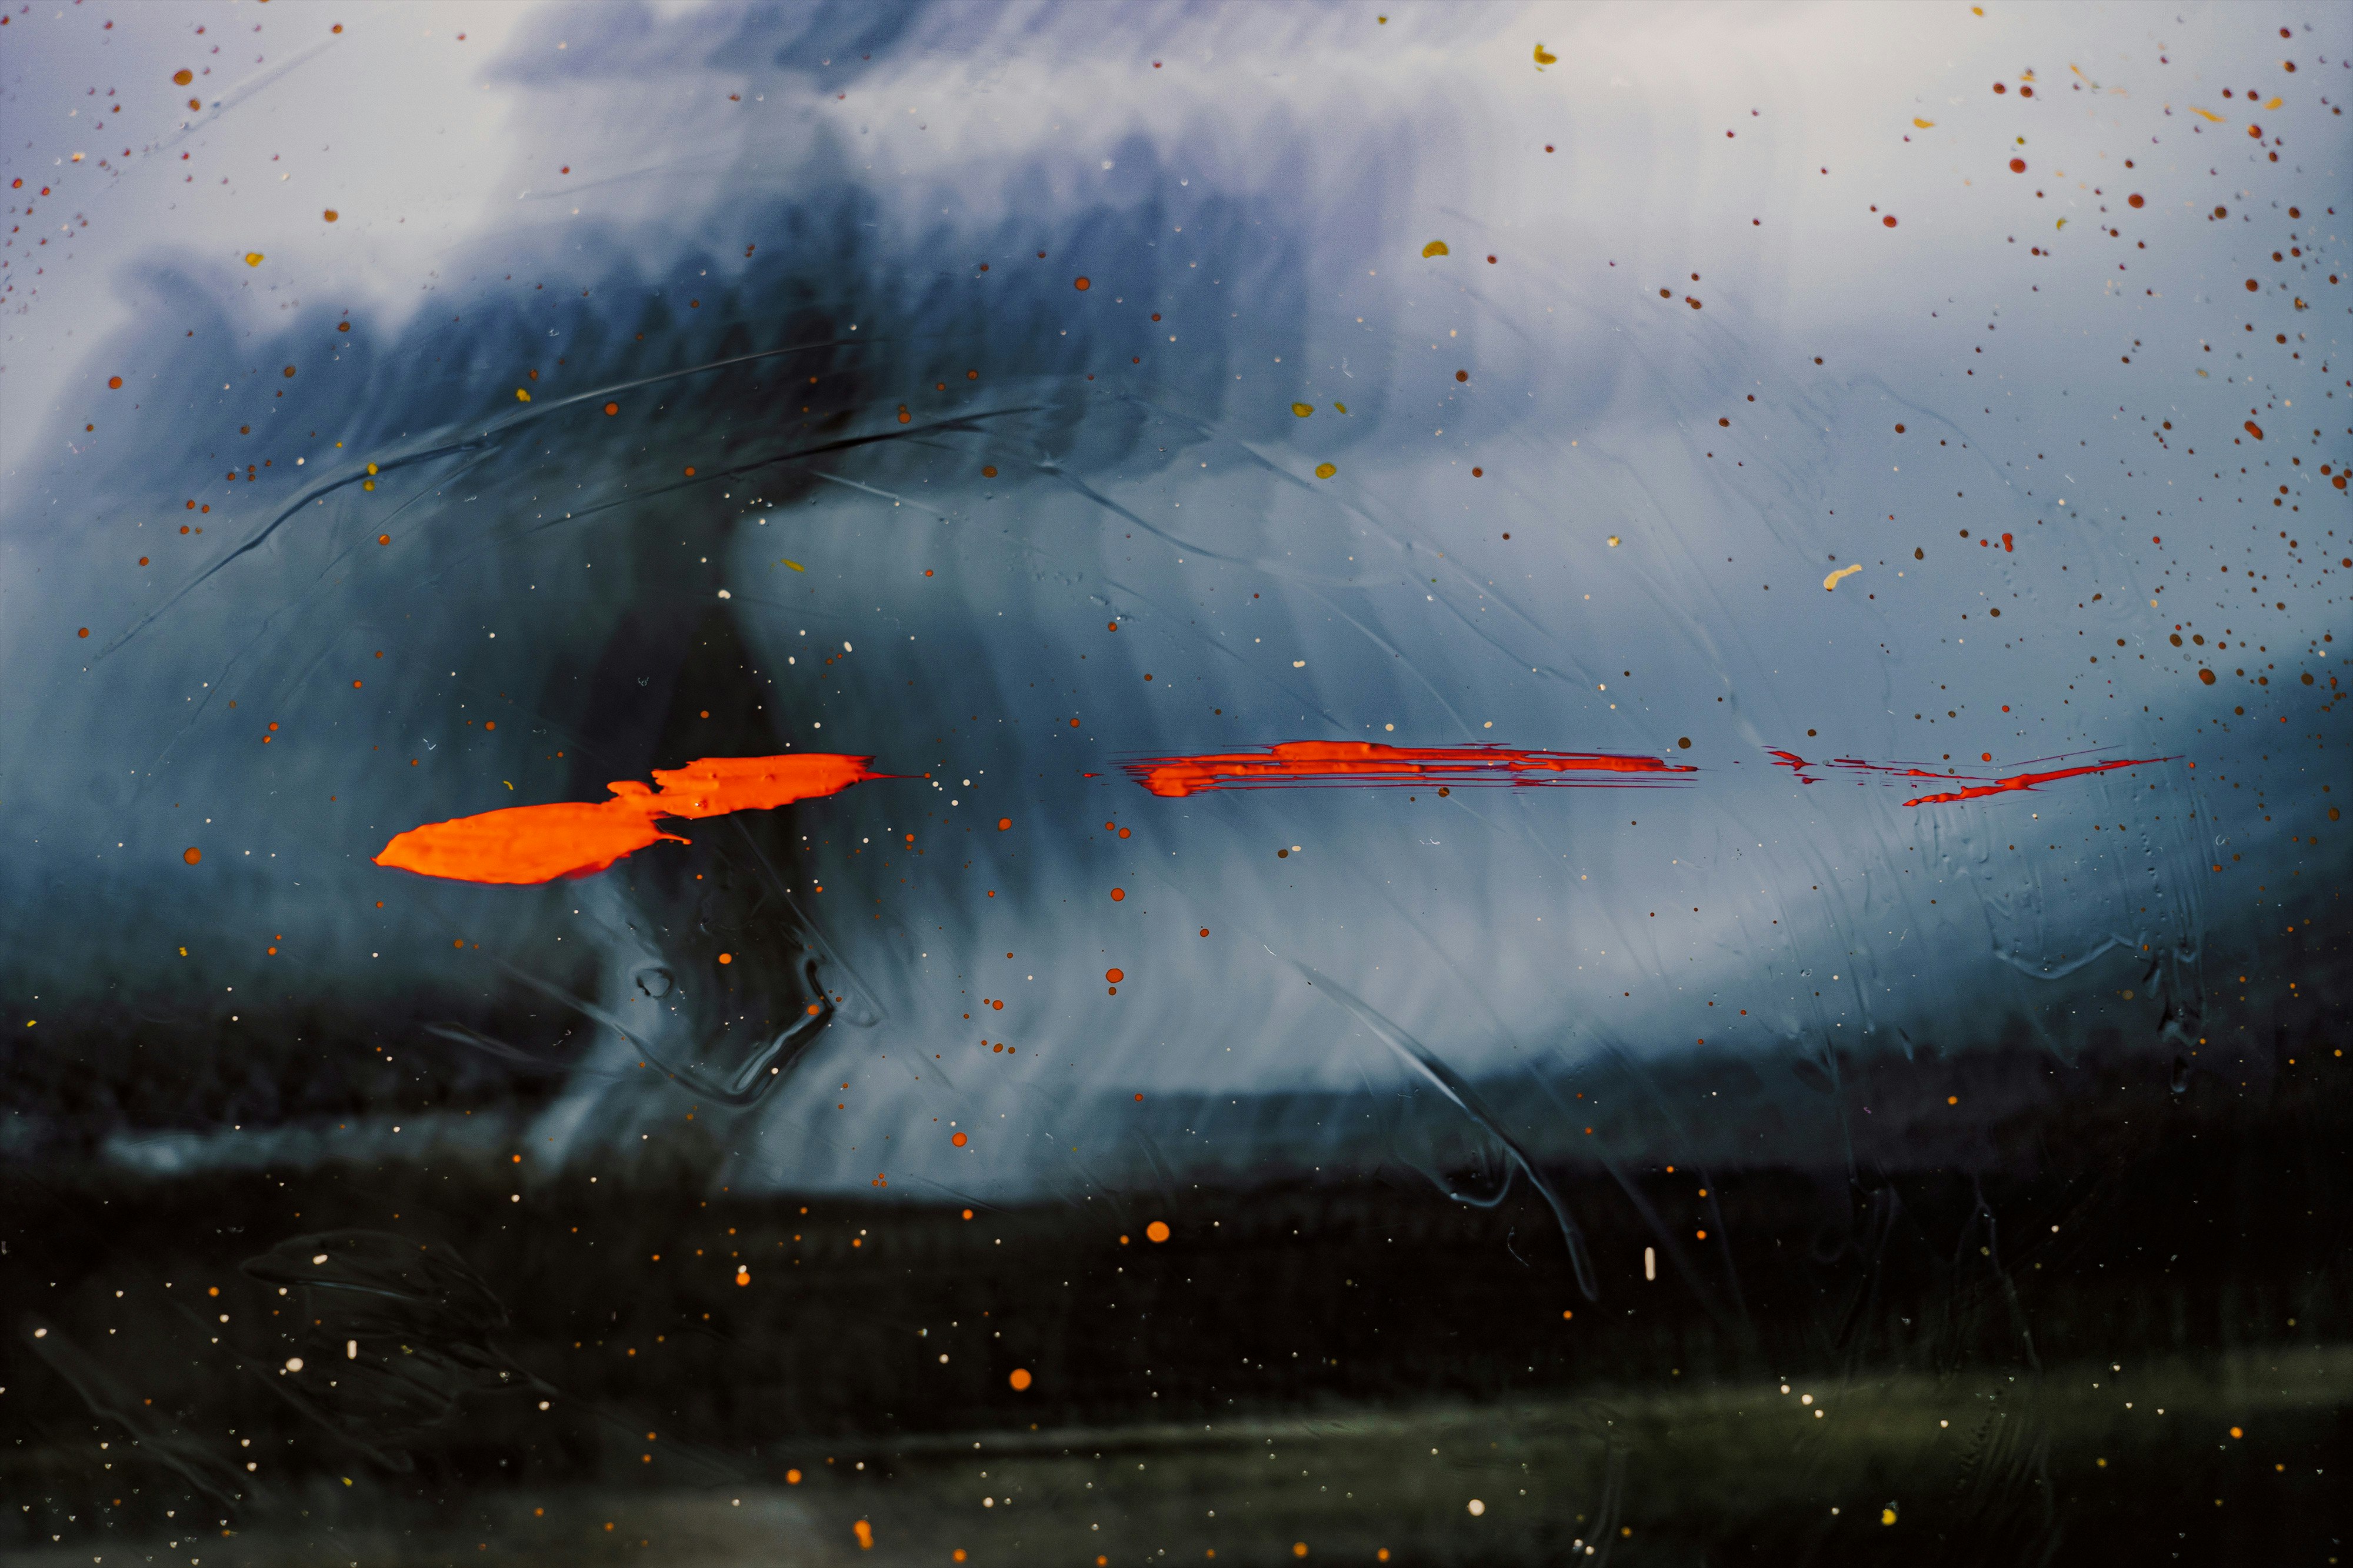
<point>1732,298</point>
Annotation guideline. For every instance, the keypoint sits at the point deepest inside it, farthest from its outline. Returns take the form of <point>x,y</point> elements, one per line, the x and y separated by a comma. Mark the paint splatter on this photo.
<point>523,845</point>
<point>1835,578</point>
<point>1435,247</point>
<point>1546,57</point>
<point>1369,764</point>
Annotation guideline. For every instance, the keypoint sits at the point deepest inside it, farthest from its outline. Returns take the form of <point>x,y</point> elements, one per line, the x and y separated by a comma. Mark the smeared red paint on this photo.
<point>1367,764</point>
<point>529,844</point>
<point>1973,788</point>
<point>2028,781</point>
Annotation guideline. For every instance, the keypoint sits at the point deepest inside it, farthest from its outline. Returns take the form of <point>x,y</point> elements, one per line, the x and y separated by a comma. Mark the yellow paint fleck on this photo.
<point>253,258</point>
<point>794,565</point>
<point>1835,578</point>
<point>522,396</point>
<point>1435,247</point>
<point>1546,57</point>
<point>1613,541</point>
<point>2208,116</point>
<point>508,783</point>
<point>1923,124</point>
<point>1302,409</point>
<point>2274,103</point>
<point>1341,407</point>
<point>2061,224</point>
<point>1325,470</point>
<point>1887,1516</point>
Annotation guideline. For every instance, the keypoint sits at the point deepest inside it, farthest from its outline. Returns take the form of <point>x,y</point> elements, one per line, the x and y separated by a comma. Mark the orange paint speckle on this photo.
<point>1156,1231</point>
<point>958,1140</point>
<point>865,1534</point>
<point>1114,976</point>
<point>1117,894</point>
<point>1020,1379</point>
<point>114,383</point>
<point>726,958</point>
<point>182,77</point>
<point>331,214</point>
<point>192,854</point>
<point>1004,823</point>
<point>1082,285</point>
<point>612,408</point>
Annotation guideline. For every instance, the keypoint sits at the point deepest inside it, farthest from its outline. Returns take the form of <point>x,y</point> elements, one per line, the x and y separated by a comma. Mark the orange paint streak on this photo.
<point>1371,764</point>
<point>1974,788</point>
<point>2028,781</point>
<point>523,845</point>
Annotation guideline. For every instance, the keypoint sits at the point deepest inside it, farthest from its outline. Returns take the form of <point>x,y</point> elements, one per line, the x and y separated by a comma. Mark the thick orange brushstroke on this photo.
<point>527,844</point>
<point>1977,788</point>
<point>714,787</point>
<point>1366,763</point>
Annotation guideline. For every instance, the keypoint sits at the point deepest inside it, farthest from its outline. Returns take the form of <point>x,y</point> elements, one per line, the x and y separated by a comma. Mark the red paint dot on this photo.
<point>1114,976</point>
<point>959,1139</point>
<point>2018,166</point>
<point>1889,220</point>
<point>192,854</point>
<point>1002,823</point>
<point>1117,894</point>
<point>612,408</point>
<point>114,382</point>
<point>83,633</point>
<point>1082,285</point>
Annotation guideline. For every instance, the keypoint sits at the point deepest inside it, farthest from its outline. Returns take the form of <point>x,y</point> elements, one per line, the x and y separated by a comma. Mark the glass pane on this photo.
<point>1066,783</point>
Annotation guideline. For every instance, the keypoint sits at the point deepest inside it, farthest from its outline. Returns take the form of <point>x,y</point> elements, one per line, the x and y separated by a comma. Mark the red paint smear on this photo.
<point>1975,788</point>
<point>529,844</point>
<point>1368,763</point>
